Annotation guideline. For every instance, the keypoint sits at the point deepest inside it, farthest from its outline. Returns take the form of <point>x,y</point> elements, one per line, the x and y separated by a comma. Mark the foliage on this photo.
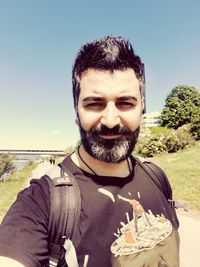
<point>195,123</point>
<point>158,130</point>
<point>150,145</point>
<point>172,142</point>
<point>161,139</point>
<point>181,105</point>
<point>6,164</point>
<point>184,135</point>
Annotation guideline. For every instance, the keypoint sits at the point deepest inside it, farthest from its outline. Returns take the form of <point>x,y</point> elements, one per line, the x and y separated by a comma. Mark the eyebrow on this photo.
<point>121,98</point>
<point>92,98</point>
<point>127,98</point>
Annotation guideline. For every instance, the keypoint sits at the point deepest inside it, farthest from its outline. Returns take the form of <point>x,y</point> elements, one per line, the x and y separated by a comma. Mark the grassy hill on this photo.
<point>183,171</point>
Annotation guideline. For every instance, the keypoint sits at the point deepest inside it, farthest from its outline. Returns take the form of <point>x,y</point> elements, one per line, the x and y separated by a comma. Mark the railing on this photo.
<point>33,152</point>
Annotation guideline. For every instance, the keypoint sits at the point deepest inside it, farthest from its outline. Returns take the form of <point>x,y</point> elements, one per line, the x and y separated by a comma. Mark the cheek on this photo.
<point>132,120</point>
<point>87,120</point>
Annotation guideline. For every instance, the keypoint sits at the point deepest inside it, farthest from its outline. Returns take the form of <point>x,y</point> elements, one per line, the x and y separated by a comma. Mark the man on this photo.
<point>108,91</point>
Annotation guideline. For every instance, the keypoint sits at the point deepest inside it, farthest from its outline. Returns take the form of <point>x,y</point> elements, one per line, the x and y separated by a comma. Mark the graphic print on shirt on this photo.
<point>146,240</point>
<point>106,193</point>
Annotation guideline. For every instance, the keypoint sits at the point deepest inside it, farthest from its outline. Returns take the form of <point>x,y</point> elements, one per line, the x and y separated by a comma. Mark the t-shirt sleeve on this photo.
<point>24,229</point>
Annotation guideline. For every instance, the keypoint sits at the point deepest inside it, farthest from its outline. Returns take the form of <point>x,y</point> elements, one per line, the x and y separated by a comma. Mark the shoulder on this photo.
<point>157,175</point>
<point>37,187</point>
<point>26,223</point>
<point>31,203</point>
<point>147,164</point>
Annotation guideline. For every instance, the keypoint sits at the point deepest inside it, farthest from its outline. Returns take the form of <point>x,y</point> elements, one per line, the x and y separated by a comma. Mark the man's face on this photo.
<point>109,113</point>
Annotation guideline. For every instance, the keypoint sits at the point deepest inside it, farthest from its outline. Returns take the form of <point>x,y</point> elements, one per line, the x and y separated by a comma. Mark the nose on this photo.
<point>110,116</point>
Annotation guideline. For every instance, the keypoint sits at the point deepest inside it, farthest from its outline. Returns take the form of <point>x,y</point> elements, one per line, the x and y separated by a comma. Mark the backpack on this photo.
<point>66,204</point>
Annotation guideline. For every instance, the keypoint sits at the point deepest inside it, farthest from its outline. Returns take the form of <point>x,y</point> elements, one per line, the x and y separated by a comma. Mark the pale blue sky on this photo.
<point>38,43</point>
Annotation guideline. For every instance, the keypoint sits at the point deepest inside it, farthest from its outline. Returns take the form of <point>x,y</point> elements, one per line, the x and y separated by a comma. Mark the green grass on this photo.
<point>12,185</point>
<point>183,171</point>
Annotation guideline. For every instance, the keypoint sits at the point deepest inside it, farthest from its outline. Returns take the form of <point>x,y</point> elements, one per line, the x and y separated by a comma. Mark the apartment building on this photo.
<point>151,119</point>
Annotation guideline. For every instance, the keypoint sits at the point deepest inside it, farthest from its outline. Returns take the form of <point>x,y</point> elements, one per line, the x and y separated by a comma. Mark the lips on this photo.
<point>110,136</point>
<point>105,133</point>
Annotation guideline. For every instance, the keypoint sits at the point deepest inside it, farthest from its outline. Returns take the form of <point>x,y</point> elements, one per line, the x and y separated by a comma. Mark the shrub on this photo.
<point>6,164</point>
<point>172,142</point>
<point>195,124</point>
<point>161,131</point>
<point>148,146</point>
<point>185,136</point>
<point>160,139</point>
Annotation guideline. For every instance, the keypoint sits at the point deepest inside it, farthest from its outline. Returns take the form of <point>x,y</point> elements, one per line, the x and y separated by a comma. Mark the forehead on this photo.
<point>106,82</point>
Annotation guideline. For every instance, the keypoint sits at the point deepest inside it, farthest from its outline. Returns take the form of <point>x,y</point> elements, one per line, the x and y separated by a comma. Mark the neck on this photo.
<point>84,161</point>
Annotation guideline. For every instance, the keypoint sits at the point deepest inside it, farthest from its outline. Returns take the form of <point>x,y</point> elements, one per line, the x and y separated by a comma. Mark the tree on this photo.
<point>6,164</point>
<point>195,124</point>
<point>181,106</point>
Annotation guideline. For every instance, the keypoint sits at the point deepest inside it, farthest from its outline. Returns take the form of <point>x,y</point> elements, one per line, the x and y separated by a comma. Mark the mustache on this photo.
<point>104,130</point>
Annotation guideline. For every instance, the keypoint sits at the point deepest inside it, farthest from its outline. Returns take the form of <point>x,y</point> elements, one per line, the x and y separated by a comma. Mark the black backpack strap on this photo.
<point>65,205</point>
<point>158,177</point>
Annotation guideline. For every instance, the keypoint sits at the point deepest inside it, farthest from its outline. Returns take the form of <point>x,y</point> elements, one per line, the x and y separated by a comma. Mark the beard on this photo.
<point>109,150</point>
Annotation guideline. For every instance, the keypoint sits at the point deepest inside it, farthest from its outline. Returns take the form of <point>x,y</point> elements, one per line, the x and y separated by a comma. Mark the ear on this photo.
<point>76,107</point>
<point>143,105</point>
<point>76,121</point>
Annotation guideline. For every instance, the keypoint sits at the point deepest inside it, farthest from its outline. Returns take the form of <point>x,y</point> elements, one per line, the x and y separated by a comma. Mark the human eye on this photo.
<point>94,105</point>
<point>126,102</point>
<point>125,105</point>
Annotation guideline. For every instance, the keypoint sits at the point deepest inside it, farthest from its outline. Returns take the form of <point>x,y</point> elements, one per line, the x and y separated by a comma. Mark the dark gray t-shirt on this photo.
<point>24,230</point>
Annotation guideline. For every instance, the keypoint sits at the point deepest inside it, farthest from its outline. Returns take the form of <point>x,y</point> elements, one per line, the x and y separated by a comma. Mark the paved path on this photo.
<point>41,169</point>
<point>190,241</point>
<point>189,229</point>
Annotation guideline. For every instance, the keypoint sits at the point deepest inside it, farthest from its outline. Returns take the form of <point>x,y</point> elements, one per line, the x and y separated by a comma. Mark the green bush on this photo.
<point>195,124</point>
<point>172,142</point>
<point>160,139</point>
<point>148,146</point>
<point>159,130</point>
<point>185,136</point>
<point>6,164</point>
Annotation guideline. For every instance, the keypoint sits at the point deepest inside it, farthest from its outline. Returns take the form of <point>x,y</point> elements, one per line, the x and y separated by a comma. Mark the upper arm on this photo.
<point>24,229</point>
